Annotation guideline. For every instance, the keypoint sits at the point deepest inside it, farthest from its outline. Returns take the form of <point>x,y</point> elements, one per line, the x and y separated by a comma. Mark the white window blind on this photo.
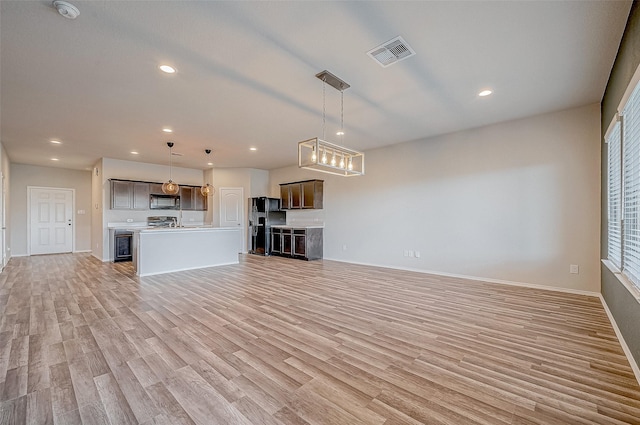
<point>615,196</point>
<point>631,186</point>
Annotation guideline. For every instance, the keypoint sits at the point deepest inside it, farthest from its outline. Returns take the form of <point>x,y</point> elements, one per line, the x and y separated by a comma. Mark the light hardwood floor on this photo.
<point>278,341</point>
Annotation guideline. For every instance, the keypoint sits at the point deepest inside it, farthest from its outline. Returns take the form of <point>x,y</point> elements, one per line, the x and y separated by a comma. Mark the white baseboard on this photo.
<point>82,251</point>
<point>623,343</point>
<point>98,258</point>
<point>481,279</point>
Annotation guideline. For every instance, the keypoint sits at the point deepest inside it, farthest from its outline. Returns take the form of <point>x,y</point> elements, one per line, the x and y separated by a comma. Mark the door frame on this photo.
<point>3,211</point>
<point>73,218</point>
<point>243,209</point>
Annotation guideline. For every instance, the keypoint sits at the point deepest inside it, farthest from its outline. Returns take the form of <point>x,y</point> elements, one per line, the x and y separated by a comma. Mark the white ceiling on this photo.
<point>246,74</point>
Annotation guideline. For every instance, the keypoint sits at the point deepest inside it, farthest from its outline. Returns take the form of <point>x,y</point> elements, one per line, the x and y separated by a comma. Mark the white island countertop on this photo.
<point>170,249</point>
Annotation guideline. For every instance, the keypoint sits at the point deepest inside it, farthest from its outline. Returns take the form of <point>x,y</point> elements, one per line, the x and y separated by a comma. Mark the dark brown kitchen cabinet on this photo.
<point>302,195</point>
<point>191,198</point>
<point>155,189</point>
<point>304,244</point>
<point>285,197</point>
<point>186,197</point>
<point>120,195</point>
<point>134,195</point>
<point>129,195</point>
<point>199,201</point>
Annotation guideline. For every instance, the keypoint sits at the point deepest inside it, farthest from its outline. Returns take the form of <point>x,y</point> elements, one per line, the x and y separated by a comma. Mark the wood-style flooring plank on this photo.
<point>274,341</point>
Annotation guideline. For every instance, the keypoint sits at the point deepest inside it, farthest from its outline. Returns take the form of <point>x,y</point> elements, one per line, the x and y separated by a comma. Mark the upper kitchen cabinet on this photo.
<point>135,195</point>
<point>155,189</point>
<point>186,197</point>
<point>192,199</point>
<point>199,201</point>
<point>129,195</point>
<point>302,195</point>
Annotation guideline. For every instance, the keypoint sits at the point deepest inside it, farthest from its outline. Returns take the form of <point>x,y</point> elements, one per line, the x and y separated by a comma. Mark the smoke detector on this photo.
<point>393,51</point>
<point>66,9</point>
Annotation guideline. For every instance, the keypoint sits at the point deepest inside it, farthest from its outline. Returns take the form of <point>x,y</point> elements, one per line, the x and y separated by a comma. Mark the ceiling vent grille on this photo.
<point>393,51</point>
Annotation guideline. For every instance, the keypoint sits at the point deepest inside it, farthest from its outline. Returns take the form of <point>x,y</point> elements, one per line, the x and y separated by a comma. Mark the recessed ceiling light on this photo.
<point>55,159</point>
<point>134,153</point>
<point>484,93</point>
<point>168,69</point>
<point>56,142</point>
<point>209,163</point>
<point>340,133</point>
<point>167,130</point>
<point>253,149</point>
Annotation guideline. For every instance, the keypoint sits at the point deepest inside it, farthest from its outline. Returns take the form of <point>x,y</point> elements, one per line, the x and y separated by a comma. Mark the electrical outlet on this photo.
<point>344,247</point>
<point>574,269</point>
<point>417,254</point>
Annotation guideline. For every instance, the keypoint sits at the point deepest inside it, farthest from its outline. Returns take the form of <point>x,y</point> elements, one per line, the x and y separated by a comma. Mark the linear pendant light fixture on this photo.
<point>320,155</point>
<point>170,188</point>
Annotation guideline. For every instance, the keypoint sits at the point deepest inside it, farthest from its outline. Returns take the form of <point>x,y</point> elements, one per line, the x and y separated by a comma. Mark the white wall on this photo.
<point>32,175</point>
<point>5,168</point>
<point>97,211</point>
<point>517,201</point>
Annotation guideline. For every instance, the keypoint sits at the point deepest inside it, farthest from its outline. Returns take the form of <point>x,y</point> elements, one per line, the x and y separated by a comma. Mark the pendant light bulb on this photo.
<point>169,187</point>
<point>324,156</point>
<point>314,157</point>
<point>207,190</point>
<point>341,161</point>
<point>350,166</point>
<point>333,159</point>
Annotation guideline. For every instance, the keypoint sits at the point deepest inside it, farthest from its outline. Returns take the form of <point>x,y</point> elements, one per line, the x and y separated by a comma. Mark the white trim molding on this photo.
<point>481,279</point>
<point>623,343</point>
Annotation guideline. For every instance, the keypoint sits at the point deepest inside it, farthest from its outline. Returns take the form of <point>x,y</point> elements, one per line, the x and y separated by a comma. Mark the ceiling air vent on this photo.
<point>391,52</point>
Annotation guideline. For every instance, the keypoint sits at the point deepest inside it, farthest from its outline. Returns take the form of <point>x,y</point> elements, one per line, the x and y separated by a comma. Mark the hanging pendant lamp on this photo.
<point>207,189</point>
<point>170,188</point>
<point>320,155</point>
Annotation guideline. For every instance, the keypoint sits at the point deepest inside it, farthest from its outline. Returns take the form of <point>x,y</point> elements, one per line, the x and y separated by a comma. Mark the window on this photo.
<point>615,199</point>
<point>623,141</point>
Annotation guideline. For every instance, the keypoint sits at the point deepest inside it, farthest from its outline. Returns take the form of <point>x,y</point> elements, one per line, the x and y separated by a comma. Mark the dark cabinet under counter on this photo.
<point>302,243</point>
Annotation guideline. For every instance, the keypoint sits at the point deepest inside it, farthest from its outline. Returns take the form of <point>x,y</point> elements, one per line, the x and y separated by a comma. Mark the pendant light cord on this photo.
<point>170,164</point>
<point>342,113</point>
<point>324,105</point>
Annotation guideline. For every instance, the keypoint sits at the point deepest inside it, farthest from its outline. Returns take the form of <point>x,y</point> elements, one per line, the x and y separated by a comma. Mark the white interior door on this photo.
<point>232,211</point>
<point>50,221</point>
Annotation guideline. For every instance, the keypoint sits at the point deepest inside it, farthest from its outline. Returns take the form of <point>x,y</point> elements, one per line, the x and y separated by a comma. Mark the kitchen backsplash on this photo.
<point>305,217</point>
<point>122,216</point>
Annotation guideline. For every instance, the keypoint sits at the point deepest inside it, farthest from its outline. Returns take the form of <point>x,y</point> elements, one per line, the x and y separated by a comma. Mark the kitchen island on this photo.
<point>165,250</point>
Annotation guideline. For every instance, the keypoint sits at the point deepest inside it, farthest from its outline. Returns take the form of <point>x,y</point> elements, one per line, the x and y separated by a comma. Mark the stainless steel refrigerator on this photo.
<point>263,213</point>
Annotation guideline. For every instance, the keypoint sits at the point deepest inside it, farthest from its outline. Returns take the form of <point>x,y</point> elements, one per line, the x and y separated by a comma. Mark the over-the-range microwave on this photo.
<point>164,202</point>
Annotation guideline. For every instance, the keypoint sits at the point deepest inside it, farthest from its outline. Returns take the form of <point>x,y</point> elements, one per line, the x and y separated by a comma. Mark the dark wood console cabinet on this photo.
<point>301,243</point>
